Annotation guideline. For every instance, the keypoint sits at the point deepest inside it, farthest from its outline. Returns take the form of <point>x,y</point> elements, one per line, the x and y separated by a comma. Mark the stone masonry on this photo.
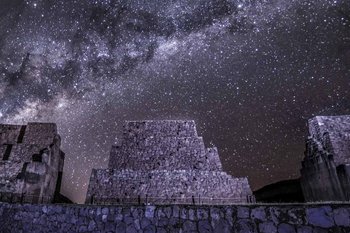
<point>325,173</point>
<point>165,162</point>
<point>31,162</point>
<point>16,218</point>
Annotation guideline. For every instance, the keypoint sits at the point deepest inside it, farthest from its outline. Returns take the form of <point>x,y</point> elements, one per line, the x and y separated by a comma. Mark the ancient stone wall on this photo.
<point>30,162</point>
<point>17,218</point>
<point>325,175</point>
<point>153,145</point>
<point>180,186</point>
<point>334,133</point>
<point>165,162</point>
<point>164,153</point>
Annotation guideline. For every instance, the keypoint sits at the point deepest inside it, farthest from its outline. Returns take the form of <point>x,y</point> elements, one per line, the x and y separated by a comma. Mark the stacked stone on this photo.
<point>176,218</point>
<point>165,162</point>
<point>334,134</point>
<point>30,161</point>
<point>325,173</point>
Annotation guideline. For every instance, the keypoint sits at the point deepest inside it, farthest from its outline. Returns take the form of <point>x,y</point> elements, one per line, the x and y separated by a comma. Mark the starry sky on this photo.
<point>249,72</point>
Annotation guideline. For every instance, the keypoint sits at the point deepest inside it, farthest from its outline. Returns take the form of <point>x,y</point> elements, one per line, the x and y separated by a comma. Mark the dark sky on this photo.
<point>249,72</point>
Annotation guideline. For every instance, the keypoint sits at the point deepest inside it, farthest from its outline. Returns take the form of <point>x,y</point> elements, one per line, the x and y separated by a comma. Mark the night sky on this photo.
<point>250,73</point>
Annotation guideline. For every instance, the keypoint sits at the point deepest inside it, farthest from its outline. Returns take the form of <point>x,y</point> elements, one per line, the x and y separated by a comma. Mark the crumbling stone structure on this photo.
<point>31,163</point>
<point>164,162</point>
<point>325,173</point>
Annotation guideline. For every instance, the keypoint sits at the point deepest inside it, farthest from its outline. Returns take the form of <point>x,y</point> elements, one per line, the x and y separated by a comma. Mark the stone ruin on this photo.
<point>165,162</point>
<point>325,173</point>
<point>31,163</point>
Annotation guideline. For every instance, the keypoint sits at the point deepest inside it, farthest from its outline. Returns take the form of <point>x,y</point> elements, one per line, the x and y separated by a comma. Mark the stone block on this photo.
<point>341,217</point>
<point>286,228</point>
<point>304,229</point>
<point>320,217</point>
<point>258,213</point>
<point>242,212</point>
<point>204,226</point>
<point>267,227</point>
<point>149,213</point>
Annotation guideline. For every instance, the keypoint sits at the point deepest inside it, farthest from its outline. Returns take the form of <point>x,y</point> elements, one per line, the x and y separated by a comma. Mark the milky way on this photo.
<point>249,72</point>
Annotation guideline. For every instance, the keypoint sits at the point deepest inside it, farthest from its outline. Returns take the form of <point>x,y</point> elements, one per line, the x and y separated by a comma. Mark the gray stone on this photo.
<point>321,230</point>
<point>150,229</point>
<point>92,225</point>
<point>245,226</point>
<point>33,162</point>
<point>137,213</point>
<point>229,215</point>
<point>119,217</point>
<point>163,222</point>
<point>215,213</point>
<point>167,211</point>
<point>104,218</point>
<point>243,212</point>
<point>222,226</point>
<point>145,222</point>
<point>126,211</point>
<point>304,229</point>
<point>296,216</point>
<point>129,220</point>
<point>121,227</point>
<point>174,221</point>
<point>160,213</point>
<point>286,228</point>
<point>131,229</point>
<point>274,213</point>
<point>183,213</point>
<point>341,217</point>
<point>82,229</point>
<point>137,224</point>
<point>267,227</point>
<point>149,213</point>
<point>189,226</point>
<point>173,165</point>
<point>191,215</point>
<point>109,227</point>
<point>176,211</point>
<point>161,230</point>
<point>202,213</point>
<point>105,211</point>
<point>259,213</point>
<point>325,169</point>
<point>204,226</point>
<point>321,217</point>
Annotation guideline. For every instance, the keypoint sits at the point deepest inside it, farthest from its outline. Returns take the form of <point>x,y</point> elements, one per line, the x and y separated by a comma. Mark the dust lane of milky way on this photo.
<point>249,72</point>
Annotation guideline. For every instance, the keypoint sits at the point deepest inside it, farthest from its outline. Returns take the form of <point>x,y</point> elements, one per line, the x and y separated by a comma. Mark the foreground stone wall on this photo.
<point>175,218</point>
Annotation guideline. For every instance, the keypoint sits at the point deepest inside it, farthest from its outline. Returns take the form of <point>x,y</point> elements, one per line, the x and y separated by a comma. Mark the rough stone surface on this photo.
<point>267,227</point>
<point>325,173</point>
<point>31,162</point>
<point>341,216</point>
<point>321,217</point>
<point>286,228</point>
<point>165,162</point>
<point>24,218</point>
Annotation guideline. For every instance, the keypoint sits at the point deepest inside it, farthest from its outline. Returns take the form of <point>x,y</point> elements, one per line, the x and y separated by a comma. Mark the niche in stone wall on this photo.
<point>37,158</point>
<point>7,152</point>
<point>21,134</point>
